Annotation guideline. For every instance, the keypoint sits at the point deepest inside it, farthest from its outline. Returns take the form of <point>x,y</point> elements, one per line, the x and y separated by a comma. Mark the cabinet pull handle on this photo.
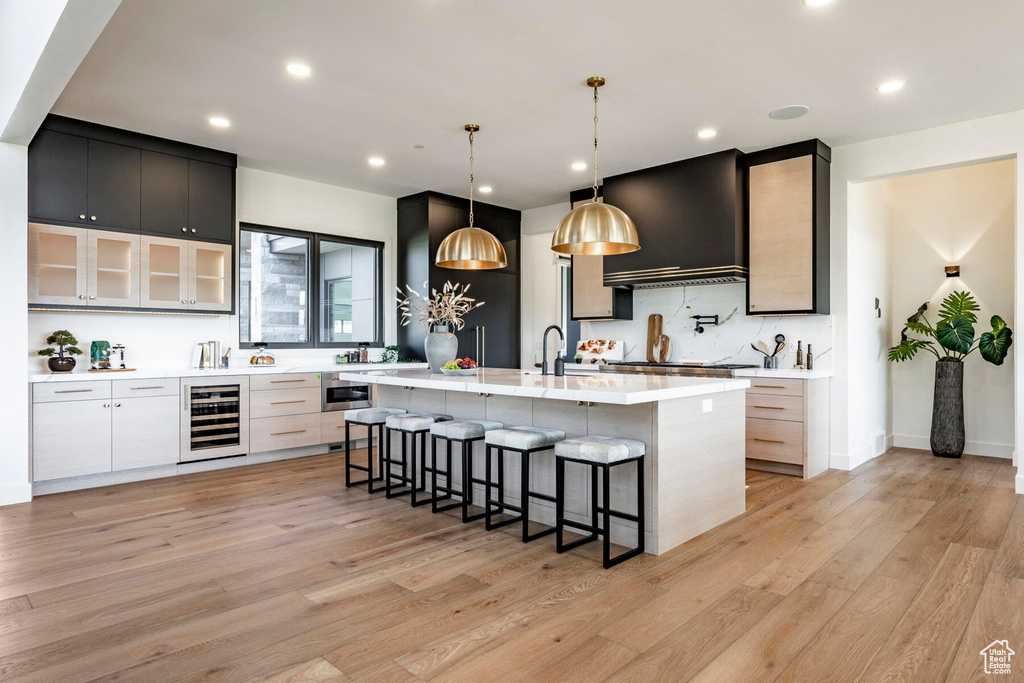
<point>106,405</point>
<point>769,386</point>
<point>184,229</point>
<point>142,388</point>
<point>193,229</point>
<point>285,381</point>
<point>770,407</point>
<point>81,296</point>
<point>92,296</point>
<point>294,431</point>
<point>768,440</point>
<point>72,391</point>
<point>117,405</point>
<point>579,403</point>
<point>82,216</point>
<point>590,404</point>
<point>278,403</point>
<point>93,217</point>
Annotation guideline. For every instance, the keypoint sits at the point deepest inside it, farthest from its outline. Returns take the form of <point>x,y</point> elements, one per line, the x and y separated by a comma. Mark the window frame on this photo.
<point>313,302</point>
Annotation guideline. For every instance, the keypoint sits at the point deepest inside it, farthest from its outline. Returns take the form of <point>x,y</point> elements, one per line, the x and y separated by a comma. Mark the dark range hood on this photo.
<point>689,215</point>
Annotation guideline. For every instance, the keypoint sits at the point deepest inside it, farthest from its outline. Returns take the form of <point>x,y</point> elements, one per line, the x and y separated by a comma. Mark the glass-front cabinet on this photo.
<point>165,273</point>
<point>80,267</point>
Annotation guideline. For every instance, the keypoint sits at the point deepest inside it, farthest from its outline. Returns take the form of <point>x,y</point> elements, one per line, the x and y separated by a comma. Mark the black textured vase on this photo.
<point>948,410</point>
<point>61,363</point>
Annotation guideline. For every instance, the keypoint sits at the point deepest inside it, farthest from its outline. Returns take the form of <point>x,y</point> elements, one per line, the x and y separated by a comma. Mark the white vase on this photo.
<point>440,347</point>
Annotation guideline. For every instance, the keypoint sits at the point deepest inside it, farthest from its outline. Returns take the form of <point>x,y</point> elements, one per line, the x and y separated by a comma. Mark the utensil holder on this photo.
<point>771,363</point>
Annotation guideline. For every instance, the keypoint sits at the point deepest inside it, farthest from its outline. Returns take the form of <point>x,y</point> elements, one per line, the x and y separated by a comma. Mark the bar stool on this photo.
<point>369,418</point>
<point>599,452</point>
<point>465,432</point>
<point>409,425</point>
<point>525,441</point>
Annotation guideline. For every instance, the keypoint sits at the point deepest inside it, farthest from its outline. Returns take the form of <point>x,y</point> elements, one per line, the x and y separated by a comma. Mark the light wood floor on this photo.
<point>900,570</point>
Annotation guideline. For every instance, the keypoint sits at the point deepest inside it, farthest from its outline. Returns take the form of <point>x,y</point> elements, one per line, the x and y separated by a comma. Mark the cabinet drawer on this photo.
<point>332,428</point>
<point>775,440</point>
<point>134,388</point>
<point>297,380</point>
<point>772,407</point>
<point>777,387</point>
<point>46,392</point>
<point>278,402</point>
<point>276,433</point>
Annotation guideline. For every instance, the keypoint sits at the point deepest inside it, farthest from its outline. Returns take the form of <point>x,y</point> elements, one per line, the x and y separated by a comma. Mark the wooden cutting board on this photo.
<point>663,349</point>
<point>653,335</point>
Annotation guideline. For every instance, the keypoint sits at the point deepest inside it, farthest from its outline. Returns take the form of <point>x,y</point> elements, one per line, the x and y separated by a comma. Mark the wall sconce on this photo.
<point>952,271</point>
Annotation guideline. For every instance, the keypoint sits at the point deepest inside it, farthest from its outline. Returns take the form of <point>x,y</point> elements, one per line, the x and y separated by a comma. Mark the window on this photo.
<point>279,303</point>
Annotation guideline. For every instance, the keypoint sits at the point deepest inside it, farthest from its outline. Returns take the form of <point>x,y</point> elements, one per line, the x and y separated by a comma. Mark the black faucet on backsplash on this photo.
<point>703,320</point>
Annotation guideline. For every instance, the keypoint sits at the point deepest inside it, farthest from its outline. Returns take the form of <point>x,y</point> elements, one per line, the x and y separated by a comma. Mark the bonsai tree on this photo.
<point>65,341</point>
<point>951,341</point>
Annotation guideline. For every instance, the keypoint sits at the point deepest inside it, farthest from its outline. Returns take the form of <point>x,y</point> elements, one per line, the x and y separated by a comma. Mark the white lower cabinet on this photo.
<point>70,439</point>
<point>144,432</point>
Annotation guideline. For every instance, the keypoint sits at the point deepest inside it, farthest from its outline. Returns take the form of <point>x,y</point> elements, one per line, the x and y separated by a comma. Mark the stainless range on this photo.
<point>677,369</point>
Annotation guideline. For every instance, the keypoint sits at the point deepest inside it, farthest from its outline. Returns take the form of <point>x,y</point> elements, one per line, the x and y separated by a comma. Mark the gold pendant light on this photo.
<point>595,228</point>
<point>471,248</point>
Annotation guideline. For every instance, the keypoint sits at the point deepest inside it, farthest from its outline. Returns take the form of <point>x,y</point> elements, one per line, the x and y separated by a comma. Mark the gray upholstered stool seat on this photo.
<point>461,430</point>
<point>415,422</point>
<point>371,416</point>
<point>599,449</point>
<point>523,438</point>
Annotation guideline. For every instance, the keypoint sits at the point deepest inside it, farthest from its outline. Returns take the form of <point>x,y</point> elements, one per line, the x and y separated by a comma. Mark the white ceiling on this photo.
<point>389,74</point>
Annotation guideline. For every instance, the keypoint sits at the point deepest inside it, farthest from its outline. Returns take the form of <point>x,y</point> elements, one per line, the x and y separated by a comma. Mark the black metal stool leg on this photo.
<point>348,458</point>
<point>467,484</point>
<point>607,526</point>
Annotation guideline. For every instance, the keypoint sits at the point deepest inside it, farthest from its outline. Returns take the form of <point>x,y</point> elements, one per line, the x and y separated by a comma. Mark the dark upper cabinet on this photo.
<point>115,179</point>
<point>211,201</point>
<point>689,218</point>
<point>58,177</point>
<point>83,173</point>
<point>491,334</point>
<point>164,194</point>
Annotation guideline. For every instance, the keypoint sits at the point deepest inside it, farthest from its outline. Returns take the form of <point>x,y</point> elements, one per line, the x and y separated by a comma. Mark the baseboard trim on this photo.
<point>12,494</point>
<point>992,450</point>
<point>1019,483</point>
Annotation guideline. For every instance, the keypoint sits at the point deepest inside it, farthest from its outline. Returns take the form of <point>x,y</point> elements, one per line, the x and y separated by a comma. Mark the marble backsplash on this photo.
<point>729,342</point>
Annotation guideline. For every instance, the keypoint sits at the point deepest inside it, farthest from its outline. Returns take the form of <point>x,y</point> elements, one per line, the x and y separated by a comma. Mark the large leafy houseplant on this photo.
<point>951,340</point>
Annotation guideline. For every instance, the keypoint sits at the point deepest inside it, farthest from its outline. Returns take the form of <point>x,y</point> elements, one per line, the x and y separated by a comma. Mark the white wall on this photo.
<point>961,216</point>
<point>541,283</point>
<point>263,198</point>
<point>990,138</point>
<point>14,418</point>
<point>868,243</point>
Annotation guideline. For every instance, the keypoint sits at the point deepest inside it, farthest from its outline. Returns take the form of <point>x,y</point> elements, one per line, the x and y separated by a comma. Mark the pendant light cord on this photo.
<point>595,144</point>
<point>471,179</point>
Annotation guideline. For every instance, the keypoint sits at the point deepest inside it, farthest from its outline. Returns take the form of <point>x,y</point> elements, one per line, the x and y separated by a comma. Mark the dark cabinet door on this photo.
<point>211,209</point>
<point>115,179</point>
<point>164,194</point>
<point>58,177</point>
<point>491,334</point>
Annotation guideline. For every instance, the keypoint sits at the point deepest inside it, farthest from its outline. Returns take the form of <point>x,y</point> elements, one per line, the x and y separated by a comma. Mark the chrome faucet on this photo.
<point>559,363</point>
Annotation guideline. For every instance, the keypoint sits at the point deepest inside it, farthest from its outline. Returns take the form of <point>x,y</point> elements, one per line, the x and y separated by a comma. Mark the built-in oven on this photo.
<point>343,394</point>
<point>215,417</point>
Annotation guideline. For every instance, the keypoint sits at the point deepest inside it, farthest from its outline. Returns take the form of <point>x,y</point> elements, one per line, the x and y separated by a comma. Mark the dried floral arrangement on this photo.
<point>446,307</point>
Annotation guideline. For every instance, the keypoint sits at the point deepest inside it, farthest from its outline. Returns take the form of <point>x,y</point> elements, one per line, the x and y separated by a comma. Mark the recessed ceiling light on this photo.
<point>376,161</point>
<point>792,111</point>
<point>891,87</point>
<point>817,3</point>
<point>299,69</point>
<point>486,189</point>
<point>579,166</point>
<point>707,133</point>
<point>219,122</point>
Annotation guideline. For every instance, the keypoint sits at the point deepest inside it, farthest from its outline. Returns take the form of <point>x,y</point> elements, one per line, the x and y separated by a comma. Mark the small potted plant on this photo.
<point>66,342</point>
<point>578,358</point>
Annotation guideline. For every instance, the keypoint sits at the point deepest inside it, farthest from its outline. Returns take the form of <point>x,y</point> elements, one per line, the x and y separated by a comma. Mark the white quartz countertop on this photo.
<point>602,388</point>
<point>161,373</point>
<point>790,373</point>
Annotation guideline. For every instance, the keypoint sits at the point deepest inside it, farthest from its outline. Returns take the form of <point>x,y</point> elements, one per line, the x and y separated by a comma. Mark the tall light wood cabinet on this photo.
<point>788,230</point>
<point>590,299</point>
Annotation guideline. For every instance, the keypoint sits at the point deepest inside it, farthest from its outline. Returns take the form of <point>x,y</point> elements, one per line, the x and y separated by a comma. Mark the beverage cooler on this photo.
<point>215,417</point>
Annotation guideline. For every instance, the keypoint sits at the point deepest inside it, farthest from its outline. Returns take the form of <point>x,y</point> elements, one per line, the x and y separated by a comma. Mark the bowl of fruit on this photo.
<point>459,366</point>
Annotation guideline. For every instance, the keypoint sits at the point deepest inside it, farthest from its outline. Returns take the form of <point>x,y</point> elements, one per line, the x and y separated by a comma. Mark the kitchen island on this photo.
<point>693,428</point>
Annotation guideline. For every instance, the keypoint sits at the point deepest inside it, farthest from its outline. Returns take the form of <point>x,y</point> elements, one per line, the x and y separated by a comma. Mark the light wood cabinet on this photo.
<point>788,426</point>
<point>144,432</point>
<point>58,260</point>
<point>590,299</point>
<point>70,439</point>
<point>787,230</point>
<point>280,402</point>
<point>209,282</point>
<point>113,271</point>
<point>165,274</point>
<point>277,433</point>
